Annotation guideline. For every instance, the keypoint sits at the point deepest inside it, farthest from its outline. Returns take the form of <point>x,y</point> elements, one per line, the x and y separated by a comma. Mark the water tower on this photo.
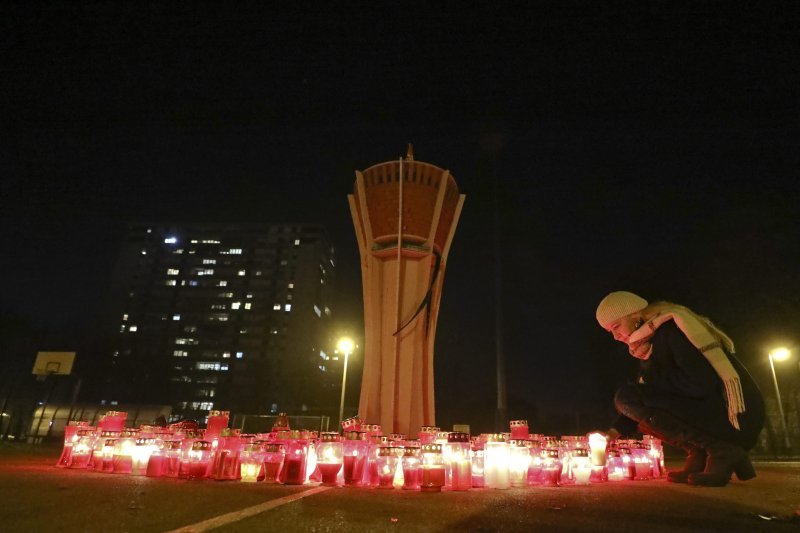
<point>405,214</point>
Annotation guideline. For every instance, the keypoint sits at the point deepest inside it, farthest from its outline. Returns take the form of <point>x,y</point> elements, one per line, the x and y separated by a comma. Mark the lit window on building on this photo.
<point>133,328</point>
<point>273,408</point>
<point>218,306</point>
<point>235,251</point>
<point>287,307</point>
<point>323,355</point>
<point>291,285</point>
<point>122,328</point>
<point>209,261</point>
<point>144,252</point>
<point>205,393</point>
<point>170,240</point>
<point>125,317</point>
<point>203,365</point>
<point>327,311</point>
<point>248,305</point>
<point>178,251</point>
<point>276,307</point>
<point>222,283</point>
<point>186,340</point>
<point>171,283</point>
<point>258,272</point>
<point>210,241</point>
<point>249,295</point>
<point>218,317</point>
<point>190,329</point>
<point>284,262</point>
<point>194,241</point>
<point>297,242</point>
<point>205,271</point>
<point>173,272</point>
<point>194,283</point>
<point>322,367</point>
<point>235,305</point>
<point>149,230</point>
<point>226,355</point>
<point>239,355</point>
<point>180,353</point>
<point>176,317</point>
<point>318,311</point>
<point>243,272</point>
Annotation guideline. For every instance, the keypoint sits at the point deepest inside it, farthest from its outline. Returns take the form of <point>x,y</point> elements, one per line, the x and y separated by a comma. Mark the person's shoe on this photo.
<point>695,462</point>
<point>723,458</point>
<point>744,469</point>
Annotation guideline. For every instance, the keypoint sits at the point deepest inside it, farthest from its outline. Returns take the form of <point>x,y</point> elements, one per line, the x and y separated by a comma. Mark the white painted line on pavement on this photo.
<point>247,512</point>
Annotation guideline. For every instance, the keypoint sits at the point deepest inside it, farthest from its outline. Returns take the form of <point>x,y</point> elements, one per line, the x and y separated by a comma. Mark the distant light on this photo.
<point>345,345</point>
<point>780,354</point>
<point>170,240</point>
<point>239,355</point>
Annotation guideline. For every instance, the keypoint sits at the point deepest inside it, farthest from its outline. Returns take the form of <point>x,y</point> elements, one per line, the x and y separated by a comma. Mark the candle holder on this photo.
<point>371,474</point>
<point>281,423</point>
<point>519,462</point>
<point>387,466</point>
<point>355,456</point>
<point>122,460</point>
<point>617,468</point>
<point>294,463</point>
<point>70,438</point>
<point>372,430</point>
<point>329,457</point>
<point>81,450</point>
<point>251,462</point>
<point>273,461</point>
<point>496,462</point>
<point>477,466</point>
<point>640,455</point>
<point>536,462</point>
<point>142,450</point>
<point>172,452</point>
<point>581,466</point>
<point>198,460</point>
<point>519,429</point>
<point>411,468</point>
<point>457,461</point>
<point>98,449</point>
<point>656,452</point>
<point>551,467</point>
<point>217,421</point>
<point>351,424</point>
<point>432,468</point>
<point>225,461</point>
<point>427,434</point>
<point>112,421</point>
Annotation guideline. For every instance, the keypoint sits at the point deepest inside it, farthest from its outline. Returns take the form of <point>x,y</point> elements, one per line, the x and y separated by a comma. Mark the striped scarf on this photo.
<point>704,336</point>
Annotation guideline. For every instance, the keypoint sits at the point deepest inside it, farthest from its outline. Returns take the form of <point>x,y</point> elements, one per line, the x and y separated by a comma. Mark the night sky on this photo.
<point>643,146</point>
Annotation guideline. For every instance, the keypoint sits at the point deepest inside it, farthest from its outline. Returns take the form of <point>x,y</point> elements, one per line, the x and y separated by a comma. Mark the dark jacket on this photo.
<point>678,378</point>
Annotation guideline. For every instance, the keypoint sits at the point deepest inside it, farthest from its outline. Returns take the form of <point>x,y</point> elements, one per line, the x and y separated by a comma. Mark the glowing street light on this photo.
<point>780,354</point>
<point>345,345</point>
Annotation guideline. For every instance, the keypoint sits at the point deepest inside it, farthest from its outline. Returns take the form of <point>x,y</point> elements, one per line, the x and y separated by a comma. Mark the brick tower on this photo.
<point>405,214</point>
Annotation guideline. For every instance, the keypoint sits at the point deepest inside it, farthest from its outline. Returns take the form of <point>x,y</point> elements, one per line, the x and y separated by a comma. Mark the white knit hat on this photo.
<point>617,305</point>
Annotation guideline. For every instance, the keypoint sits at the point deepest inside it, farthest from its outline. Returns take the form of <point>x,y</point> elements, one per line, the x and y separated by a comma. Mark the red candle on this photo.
<point>172,466</point>
<point>329,472</point>
<point>155,466</point>
<point>271,471</point>
<point>197,470</point>
<point>295,470</point>
<point>432,478</point>
<point>353,470</point>
<point>374,477</point>
<point>411,477</point>
<point>122,464</point>
<point>79,459</point>
<point>552,475</point>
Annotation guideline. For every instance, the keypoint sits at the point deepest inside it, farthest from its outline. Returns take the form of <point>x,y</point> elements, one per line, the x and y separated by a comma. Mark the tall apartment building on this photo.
<point>235,317</point>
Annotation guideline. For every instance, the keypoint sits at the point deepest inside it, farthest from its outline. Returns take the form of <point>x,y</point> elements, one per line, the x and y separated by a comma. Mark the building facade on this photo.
<point>234,317</point>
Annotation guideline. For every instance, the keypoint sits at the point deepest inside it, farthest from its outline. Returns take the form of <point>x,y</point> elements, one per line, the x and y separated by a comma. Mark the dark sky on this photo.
<point>646,146</point>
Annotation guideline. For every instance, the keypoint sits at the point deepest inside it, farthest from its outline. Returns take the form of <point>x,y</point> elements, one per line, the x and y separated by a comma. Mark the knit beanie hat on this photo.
<point>617,305</point>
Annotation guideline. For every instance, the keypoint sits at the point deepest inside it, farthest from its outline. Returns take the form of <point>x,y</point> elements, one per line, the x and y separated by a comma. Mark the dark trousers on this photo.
<point>637,402</point>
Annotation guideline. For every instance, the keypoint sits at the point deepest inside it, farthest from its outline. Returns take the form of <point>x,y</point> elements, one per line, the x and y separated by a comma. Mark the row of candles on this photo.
<point>360,457</point>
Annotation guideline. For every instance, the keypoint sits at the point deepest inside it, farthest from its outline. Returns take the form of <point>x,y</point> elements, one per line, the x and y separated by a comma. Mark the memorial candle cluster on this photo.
<point>360,457</point>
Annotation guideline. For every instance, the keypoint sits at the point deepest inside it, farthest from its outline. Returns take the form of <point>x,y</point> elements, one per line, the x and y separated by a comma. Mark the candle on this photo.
<point>155,465</point>
<point>411,460</point>
<point>496,462</point>
<point>249,471</point>
<point>551,475</point>
<point>461,474</point>
<point>386,478</point>
<point>477,469</point>
<point>329,472</point>
<point>432,474</point>
<point>197,470</point>
<point>432,478</point>
<point>519,461</point>
<point>598,444</point>
<point>197,460</point>
<point>519,429</point>
<point>386,466</point>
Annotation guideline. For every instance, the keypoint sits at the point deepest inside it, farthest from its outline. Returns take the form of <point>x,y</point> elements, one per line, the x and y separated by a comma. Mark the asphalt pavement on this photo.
<point>37,496</point>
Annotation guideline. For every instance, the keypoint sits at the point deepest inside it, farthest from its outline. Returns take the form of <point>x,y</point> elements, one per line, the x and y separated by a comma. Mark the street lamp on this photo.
<point>780,354</point>
<point>345,345</point>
